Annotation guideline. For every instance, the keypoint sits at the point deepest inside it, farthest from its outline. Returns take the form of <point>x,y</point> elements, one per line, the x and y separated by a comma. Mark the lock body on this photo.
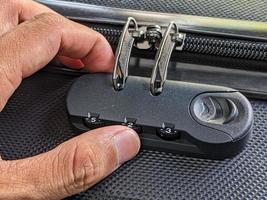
<point>192,119</point>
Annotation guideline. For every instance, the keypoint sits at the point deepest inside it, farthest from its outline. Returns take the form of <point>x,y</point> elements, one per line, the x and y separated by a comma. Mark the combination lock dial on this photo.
<point>167,132</point>
<point>93,121</point>
<point>131,123</point>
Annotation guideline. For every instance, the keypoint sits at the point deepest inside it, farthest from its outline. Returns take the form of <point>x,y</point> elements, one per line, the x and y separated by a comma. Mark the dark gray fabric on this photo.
<point>35,120</point>
<point>235,9</point>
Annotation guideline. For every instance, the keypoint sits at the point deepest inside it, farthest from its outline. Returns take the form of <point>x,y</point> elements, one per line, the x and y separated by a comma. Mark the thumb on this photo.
<point>70,168</point>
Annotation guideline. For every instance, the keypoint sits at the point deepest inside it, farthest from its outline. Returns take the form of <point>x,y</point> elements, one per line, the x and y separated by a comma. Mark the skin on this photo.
<point>31,35</point>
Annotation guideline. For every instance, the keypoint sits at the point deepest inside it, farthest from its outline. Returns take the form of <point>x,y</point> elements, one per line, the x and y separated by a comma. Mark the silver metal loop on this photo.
<point>123,53</point>
<point>159,73</point>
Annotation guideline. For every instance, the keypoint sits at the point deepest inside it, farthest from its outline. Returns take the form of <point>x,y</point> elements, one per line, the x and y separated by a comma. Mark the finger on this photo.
<point>17,11</point>
<point>70,168</point>
<point>31,45</point>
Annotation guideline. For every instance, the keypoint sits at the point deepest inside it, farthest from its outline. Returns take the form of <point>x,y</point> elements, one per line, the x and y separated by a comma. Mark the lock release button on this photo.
<point>215,110</point>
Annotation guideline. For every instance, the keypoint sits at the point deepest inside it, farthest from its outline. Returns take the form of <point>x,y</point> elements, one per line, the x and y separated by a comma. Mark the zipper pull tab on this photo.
<point>123,53</point>
<point>171,39</point>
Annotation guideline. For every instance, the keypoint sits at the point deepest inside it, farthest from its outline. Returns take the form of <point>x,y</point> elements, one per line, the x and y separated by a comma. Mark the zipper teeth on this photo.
<point>226,47</point>
<point>112,35</point>
<point>207,45</point>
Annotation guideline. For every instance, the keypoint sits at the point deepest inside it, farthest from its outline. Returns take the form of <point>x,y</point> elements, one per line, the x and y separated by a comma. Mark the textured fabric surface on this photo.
<point>35,120</point>
<point>234,9</point>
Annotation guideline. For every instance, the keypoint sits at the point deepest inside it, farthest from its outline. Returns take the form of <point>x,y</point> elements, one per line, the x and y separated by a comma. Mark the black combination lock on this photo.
<point>188,118</point>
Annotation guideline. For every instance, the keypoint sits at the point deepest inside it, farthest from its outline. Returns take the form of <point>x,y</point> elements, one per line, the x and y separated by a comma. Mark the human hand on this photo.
<point>31,35</point>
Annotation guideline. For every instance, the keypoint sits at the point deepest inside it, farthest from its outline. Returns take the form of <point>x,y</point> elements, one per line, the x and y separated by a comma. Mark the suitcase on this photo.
<point>214,52</point>
<point>212,47</point>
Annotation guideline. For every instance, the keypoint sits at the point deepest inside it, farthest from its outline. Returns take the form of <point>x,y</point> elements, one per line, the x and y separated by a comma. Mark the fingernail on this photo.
<point>78,63</point>
<point>128,144</point>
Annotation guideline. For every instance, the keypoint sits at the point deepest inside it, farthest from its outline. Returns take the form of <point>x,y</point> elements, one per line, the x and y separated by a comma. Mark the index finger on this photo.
<point>33,44</point>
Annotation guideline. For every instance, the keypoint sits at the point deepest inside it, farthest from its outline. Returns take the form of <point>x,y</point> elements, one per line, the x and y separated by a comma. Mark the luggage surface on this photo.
<point>35,121</point>
<point>254,10</point>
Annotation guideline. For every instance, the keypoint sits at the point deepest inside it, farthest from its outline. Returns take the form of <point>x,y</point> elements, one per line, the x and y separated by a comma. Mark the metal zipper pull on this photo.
<point>171,39</point>
<point>123,53</point>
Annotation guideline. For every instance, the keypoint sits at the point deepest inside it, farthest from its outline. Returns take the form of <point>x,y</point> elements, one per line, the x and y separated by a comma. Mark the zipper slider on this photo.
<point>171,40</point>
